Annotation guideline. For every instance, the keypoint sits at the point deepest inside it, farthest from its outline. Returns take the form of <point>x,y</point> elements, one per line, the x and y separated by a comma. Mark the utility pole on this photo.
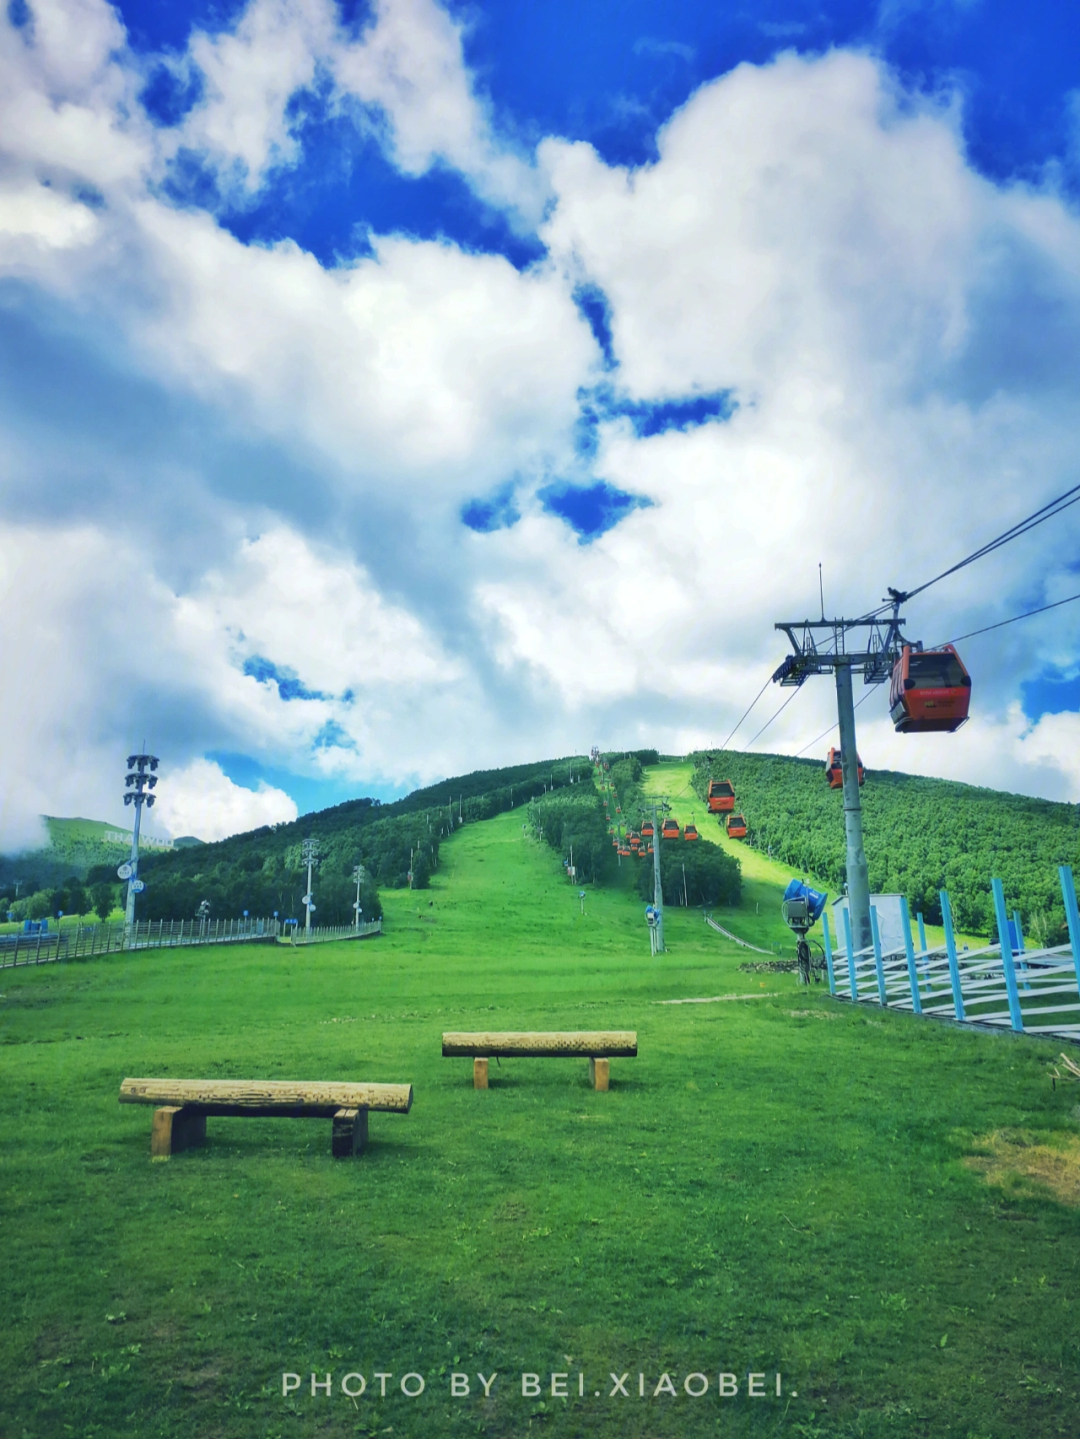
<point>358,875</point>
<point>658,893</point>
<point>310,853</point>
<point>819,646</point>
<point>858,880</point>
<point>138,784</point>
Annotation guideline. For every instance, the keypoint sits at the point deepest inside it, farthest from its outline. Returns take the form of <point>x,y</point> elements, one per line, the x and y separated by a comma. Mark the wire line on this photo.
<point>1025,616</point>
<point>835,725</point>
<point>777,715</point>
<point>753,702</point>
<point>1046,512</point>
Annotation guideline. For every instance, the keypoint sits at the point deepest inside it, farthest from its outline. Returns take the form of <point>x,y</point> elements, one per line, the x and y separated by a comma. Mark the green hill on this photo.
<point>922,835</point>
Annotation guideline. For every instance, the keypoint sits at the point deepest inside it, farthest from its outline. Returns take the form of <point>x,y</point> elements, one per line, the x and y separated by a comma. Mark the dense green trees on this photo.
<point>692,874</point>
<point>571,821</point>
<point>922,835</point>
<point>263,872</point>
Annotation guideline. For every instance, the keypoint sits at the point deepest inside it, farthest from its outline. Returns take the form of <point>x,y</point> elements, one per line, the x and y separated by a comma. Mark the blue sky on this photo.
<point>400,388</point>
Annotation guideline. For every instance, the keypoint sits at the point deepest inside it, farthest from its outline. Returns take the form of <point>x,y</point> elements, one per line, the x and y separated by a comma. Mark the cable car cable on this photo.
<point>1021,527</point>
<point>1025,616</point>
<point>834,725</point>
<point>1046,512</point>
<point>777,715</point>
<point>753,702</point>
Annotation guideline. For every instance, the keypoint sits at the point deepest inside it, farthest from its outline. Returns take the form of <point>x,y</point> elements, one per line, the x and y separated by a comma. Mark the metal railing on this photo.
<point>326,933</point>
<point>1005,986</point>
<point>728,935</point>
<point>84,941</point>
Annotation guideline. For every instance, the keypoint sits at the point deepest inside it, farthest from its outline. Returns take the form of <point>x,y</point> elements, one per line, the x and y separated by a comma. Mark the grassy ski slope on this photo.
<point>777,1184</point>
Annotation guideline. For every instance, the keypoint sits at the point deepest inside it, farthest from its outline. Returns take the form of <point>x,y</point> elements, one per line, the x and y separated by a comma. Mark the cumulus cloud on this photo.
<point>402,80</point>
<point>897,336</point>
<point>201,800</point>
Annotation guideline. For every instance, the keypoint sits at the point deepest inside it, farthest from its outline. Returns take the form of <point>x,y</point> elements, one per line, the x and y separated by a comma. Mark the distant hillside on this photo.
<point>76,846</point>
<point>922,835</point>
<point>263,871</point>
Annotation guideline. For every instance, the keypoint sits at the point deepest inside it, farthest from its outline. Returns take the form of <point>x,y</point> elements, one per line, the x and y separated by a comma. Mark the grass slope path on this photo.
<point>770,1186</point>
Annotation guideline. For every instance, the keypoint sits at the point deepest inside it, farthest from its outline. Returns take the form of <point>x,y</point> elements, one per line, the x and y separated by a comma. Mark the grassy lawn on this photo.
<point>777,1184</point>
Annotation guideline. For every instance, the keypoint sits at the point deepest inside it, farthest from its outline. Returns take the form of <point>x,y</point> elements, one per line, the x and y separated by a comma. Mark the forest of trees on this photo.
<point>922,835</point>
<point>263,871</point>
<point>571,821</point>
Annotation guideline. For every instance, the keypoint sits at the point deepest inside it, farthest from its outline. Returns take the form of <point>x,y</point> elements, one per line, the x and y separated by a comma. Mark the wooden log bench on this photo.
<point>599,1045</point>
<point>181,1107</point>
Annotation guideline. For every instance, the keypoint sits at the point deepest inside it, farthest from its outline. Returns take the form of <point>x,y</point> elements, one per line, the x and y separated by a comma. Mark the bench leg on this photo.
<point>176,1129</point>
<point>479,1074</point>
<point>350,1133</point>
<point>599,1070</point>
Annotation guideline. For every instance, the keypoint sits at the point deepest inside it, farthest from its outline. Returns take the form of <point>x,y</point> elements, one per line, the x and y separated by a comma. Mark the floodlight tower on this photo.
<point>138,784</point>
<point>310,854</point>
<point>819,646</point>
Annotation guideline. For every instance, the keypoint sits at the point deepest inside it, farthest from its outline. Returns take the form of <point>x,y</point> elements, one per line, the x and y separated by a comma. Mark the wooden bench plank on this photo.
<point>269,1097</point>
<point>542,1044</point>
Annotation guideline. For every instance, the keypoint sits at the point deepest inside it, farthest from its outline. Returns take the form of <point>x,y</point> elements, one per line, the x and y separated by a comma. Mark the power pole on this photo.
<point>138,784</point>
<point>819,646</point>
<point>658,892</point>
<point>858,880</point>
<point>310,853</point>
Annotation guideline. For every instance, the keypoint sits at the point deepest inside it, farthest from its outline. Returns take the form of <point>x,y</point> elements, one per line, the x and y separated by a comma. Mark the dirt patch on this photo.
<point>1016,1161</point>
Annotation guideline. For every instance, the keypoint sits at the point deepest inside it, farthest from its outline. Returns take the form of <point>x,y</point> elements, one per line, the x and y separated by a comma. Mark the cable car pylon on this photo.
<point>821,646</point>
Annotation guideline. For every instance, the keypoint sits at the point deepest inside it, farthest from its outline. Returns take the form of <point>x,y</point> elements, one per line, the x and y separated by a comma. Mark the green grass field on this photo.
<point>777,1184</point>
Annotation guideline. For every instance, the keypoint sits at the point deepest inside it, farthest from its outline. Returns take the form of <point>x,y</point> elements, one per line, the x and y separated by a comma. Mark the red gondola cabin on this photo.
<point>721,796</point>
<point>930,690</point>
<point>835,774</point>
<point>670,829</point>
<point>690,832</point>
<point>647,829</point>
<point>736,827</point>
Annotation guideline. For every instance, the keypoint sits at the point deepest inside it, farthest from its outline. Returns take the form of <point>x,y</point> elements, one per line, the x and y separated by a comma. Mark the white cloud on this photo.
<point>66,100</point>
<point>251,73</point>
<point>403,80</point>
<point>900,335</point>
<point>422,360</point>
<point>410,64</point>
<point>34,213</point>
<point>201,800</point>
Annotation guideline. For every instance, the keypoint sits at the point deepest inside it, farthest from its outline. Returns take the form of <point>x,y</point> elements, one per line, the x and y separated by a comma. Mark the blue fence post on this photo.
<point>846,912</point>
<point>1072,914</point>
<point>875,934</point>
<point>1007,956</point>
<point>923,948</point>
<point>950,950</point>
<point>828,951</point>
<point>1020,946</point>
<point>909,949</point>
